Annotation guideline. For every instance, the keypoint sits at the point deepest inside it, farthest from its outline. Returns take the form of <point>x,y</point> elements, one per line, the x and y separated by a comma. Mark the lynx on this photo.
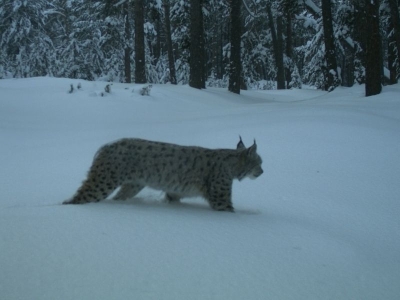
<point>179,171</point>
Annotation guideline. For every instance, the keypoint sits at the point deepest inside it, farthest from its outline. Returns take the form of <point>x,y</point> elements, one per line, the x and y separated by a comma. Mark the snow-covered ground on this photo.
<point>322,222</point>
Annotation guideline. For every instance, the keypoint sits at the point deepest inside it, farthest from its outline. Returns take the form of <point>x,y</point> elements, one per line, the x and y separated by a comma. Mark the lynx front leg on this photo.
<point>127,191</point>
<point>219,195</point>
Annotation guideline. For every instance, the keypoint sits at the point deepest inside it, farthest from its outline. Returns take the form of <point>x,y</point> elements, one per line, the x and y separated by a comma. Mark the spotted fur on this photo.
<point>179,171</point>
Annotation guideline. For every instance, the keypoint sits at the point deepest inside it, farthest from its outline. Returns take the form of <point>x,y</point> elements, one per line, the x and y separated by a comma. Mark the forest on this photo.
<point>235,44</point>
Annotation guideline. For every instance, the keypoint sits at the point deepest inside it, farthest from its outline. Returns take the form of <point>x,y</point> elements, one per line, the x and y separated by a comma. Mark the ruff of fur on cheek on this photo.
<point>242,175</point>
<point>242,163</point>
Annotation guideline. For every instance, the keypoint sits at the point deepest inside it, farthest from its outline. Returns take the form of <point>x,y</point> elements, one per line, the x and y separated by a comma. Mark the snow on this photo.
<point>322,222</point>
<point>350,42</point>
<point>308,22</point>
<point>313,6</point>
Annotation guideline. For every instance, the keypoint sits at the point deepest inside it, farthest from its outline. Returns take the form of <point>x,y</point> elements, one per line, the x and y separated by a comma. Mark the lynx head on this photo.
<point>250,162</point>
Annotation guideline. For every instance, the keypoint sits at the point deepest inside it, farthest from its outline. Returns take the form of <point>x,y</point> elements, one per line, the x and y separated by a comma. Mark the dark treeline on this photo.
<point>228,43</point>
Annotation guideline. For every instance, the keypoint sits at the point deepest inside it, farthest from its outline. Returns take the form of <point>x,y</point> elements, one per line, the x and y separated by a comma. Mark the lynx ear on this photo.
<point>253,149</point>
<point>240,145</point>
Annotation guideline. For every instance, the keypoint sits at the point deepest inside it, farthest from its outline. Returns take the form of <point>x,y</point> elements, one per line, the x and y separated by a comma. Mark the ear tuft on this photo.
<point>240,145</point>
<point>253,149</point>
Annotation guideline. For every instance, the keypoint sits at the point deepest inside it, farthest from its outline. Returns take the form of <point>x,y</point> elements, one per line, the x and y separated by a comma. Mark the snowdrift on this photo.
<point>322,222</point>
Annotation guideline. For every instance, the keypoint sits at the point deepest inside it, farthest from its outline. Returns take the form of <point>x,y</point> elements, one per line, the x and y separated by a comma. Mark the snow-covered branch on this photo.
<point>314,9</point>
<point>308,22</point>
<point>248,9</point>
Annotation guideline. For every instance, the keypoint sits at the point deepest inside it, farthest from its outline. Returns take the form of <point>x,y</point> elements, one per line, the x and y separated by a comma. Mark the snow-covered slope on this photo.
<point>322,222</point>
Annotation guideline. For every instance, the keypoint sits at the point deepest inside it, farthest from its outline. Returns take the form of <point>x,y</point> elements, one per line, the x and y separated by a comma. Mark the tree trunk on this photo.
<point>360,34</point>
<point>196,78</point>
<point>202,49</point>
<point>279,61</point>
<point>171,60</point>
<point>331,76</point>
<point>347,64</point>
<point>127,50</point>
<point>392,55</point>
<point>373,68</point>
<point>140,60</point>
<point>216,46</point>
<point>157,47</point>
<point>289,49</point>
<point>395,39</point>
<point>235,68</point>
<point>277,41</point>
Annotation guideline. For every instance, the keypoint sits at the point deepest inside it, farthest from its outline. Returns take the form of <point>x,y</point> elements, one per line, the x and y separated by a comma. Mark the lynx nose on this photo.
<point>258,171</point>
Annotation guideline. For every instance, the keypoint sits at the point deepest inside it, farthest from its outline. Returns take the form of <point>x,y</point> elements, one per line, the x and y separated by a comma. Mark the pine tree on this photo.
<point>394,41</point>
<point>95,40</point>
<point>217,25</point>
<point>114,28</point>
<point>235,67</point>
<point>373,71</point>
<point>277,40</point>
<point>171,60</point>
<point>127,49</point>
<point>346,45</point>
<point>331,73</point>
<point>140,59</point>
<point>180,36</point>
<point>310,51</point>
<point>197,61</point>
<point>289,8</point>
<point>27,47</point>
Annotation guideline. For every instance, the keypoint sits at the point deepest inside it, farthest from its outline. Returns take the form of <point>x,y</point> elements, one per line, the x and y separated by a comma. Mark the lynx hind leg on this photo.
<point>100,183</point>
<point>127,191</point>
<point>92,190</point>
<point>219,195</point>
<point>172,198</point>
